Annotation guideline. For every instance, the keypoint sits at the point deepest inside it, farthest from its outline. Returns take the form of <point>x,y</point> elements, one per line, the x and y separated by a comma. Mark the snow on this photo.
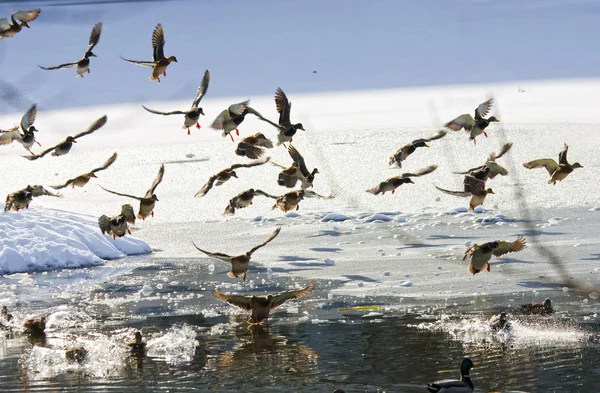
<point>41,239</point>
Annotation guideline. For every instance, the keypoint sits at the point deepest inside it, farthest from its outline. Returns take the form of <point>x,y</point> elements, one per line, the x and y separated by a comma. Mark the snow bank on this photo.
<point>42,239</point>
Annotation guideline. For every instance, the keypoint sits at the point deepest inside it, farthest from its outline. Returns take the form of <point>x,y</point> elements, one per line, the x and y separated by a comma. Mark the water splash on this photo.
<point>176,346</point>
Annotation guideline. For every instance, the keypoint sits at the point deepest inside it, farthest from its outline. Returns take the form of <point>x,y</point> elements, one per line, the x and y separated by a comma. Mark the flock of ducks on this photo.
<point>253,147</point>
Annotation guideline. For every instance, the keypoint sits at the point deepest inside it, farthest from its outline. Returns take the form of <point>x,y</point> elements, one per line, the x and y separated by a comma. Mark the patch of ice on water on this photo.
<point>406,284</point>
<point>146,290</point>
<point>292,214</point>
<point>329,261</point>
<point>43,239</point>
<point>378,218</point>
<point>338,217</point>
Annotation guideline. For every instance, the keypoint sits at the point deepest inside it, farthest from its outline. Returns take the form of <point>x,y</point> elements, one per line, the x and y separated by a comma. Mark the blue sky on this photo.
<point>252,47</point>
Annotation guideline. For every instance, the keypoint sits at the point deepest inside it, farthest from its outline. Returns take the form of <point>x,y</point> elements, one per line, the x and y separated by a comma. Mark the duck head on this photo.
<point>172,59</point>
<point>493,245</point>
<point>93,175</point>
<point>465,367</point>
<point>201,111</point>
<point>420,143</point>
<point>576,165</point>
<point>299,126</point>
<point>489,191</point>
<point>547,303</point>
<point>233,174</point>
<point>154,197</point>
<point>70,139</point>
<point>90,54</point>
<point>493,118</point>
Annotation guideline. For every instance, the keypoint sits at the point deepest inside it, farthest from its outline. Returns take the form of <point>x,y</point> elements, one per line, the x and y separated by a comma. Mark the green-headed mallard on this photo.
<point>285,129</point>
<point>251,146</point>
<point>229,119</point>
<point>227,174</point>
<point>261,306</point>
<point>117,225</point>
<point>480,254</point>
<point>394,182</point>
<point>82,180</point>
<point>149,199</point>
<point>137,345</point>
<point>464,385</point>
<point>83,64</point>
<point>23,133</point>
<point>22,198</point>
<point>473,126</point>
<point>408,149</point>
<point>297,171</point>
<point>291,200</point>
<point>499,322</point>
<point>239,263</point>
<point>35,326</point>
<point>192,115</point>
<point>244,199</point>
<point>11,29</point>
<point>558,171</point>
<point>494,169</point>
<point>76,354</point>
<point>540,308</point>
<point>159,62</point>
<point>65,146</point>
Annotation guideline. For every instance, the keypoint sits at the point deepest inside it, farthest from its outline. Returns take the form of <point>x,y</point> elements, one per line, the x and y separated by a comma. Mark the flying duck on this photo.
<point>558,171</point>
<point>291,200</point>
<point>480,254</point>
<point>82,180</point>
<point>285,129</point>
<point>117,225</point>
<point>474,126</point>
<point>494,168</point>
<point>251,146</point>
<point>24,132</point>
<point>11,29</point>
<point>408,149</point>
<point>227,174</point>
<point>244,199</point>
<point>297,171</point>
<point>394,182</point>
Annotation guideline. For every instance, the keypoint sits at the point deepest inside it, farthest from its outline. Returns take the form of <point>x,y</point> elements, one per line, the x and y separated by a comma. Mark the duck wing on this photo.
<point>94,36</point>
<point>139,62</point>
<point>438,135</point>
<point>250,164</point>
<point>455,193</point>
<point>58,67</point>
<point>281,297</point>
<point>271,237</point>
<point>42,154</point>
<point>312,194</point>
<point>465,121</point>
<point>483,109</point>
<point>163,113</point>
<point>158,43</point>
<point>157,180</point>
<point>123,195</point>
<point>8,136</point>
<point>262,193</point>
<point>420,172</point>
<point>4,26</point>
<point>38,191</point>
<point>299,160</point>
<point>218,255</point>
<point>503,150</point>
<point>283,107</point>
<point>548,163</point>
<point>26,16</point>
<point>202,89</point>
<point>469,170</point>
<point>470,251</point>
<point>243,302</point>
<point>506,247</point>
<point>28,118</point>
<point>224,116</point>
<point>106,164</point>
<point>96,125</point>
<point>205,188</point>
<point>562,156</point>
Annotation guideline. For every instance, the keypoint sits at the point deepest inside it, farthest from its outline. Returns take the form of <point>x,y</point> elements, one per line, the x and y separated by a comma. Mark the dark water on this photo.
<point>312,348</point>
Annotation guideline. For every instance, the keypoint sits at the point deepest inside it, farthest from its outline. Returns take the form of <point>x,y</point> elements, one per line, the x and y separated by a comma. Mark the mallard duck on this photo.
<point>394,182</point>
<point>27,137</point>
<point>558,171</point>
<point>137,346</point>
<point>499,322</point>
<point>474,126</point>
<point>82,180</point>
<point>481,254</point>
<point>464,385</point>
<point>148,201</point>
<point>5,315</point>
<point>474,187</point>
<point>83,64</point>
<point>239,263</point>
<point>251,146</point>
<point>408,149</point>
<point>35,326</point>
<point>76,354</point>
<point>11,29</point>
<point>65,146</point>
<point>291,200</point>
<point>494,169</point>
<point>160,62</point>
<point>285,129</point>
<point>192,115</point>
<point>297,171</point>
<point>229,119</point>
<point>117,225</point>
<point>227,174</point>
<point>244,199</point>
<point>541,308</point>
<point>22,198</point>
<point>261,306</point>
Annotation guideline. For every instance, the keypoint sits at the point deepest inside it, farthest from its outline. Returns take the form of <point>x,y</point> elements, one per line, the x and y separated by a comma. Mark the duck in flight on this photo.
<point>23,133</point>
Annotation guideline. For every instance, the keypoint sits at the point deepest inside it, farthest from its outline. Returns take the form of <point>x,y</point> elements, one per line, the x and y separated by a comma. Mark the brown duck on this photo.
<point>253,146</point>
<point>244,199</point>
<point>226,174</point>
<point>394,182</point>
<point>558,171</point>
<point>159,62</point>
<point>82,180</point>
<point>11,29</point>
<point>291,200</point>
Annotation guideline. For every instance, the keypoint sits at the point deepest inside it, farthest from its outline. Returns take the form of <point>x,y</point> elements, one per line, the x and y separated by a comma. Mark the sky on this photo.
<point>251,48</point>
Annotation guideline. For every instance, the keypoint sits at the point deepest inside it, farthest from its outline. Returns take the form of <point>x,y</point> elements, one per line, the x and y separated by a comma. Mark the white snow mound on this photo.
<point>44,239</point>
